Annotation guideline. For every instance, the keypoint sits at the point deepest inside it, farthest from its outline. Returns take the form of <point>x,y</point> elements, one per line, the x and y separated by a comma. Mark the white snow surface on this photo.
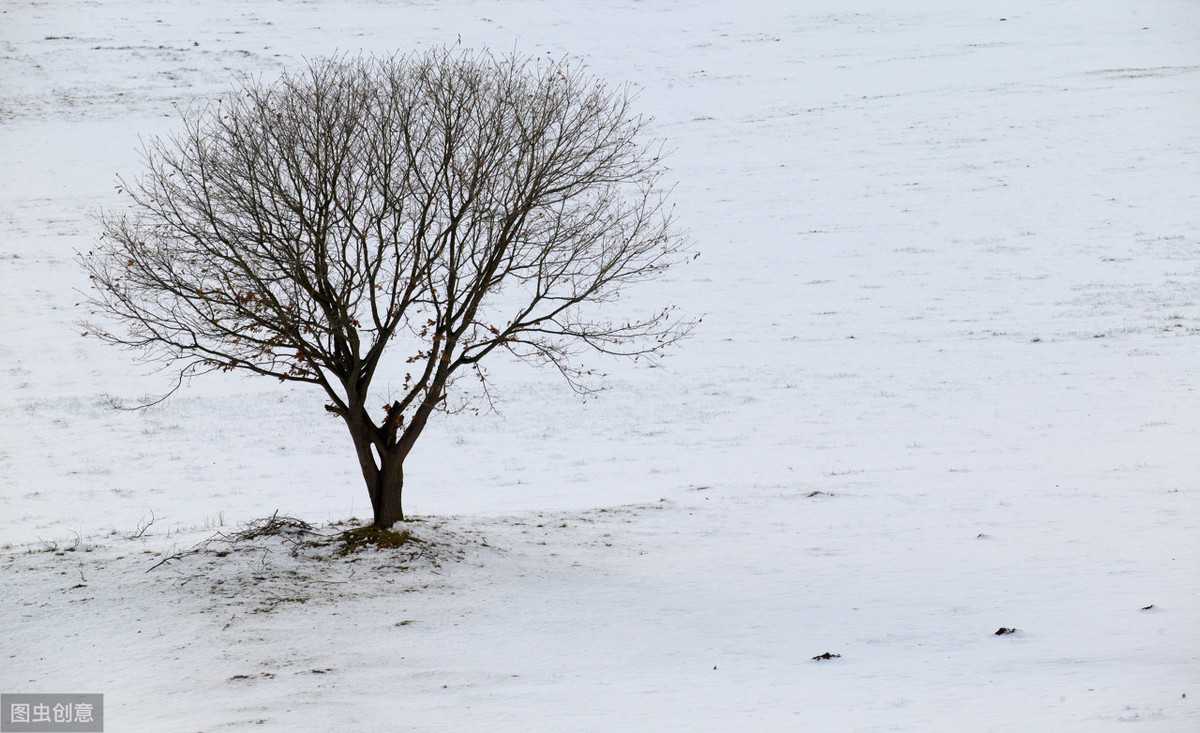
<point>946,382</point>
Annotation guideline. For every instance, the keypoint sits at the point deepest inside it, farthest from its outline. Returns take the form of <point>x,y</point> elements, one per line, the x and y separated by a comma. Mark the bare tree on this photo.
<point>448,204</point>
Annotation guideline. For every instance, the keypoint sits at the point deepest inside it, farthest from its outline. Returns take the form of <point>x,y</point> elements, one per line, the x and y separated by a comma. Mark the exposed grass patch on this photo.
<point>271,604</point>
<point>355,540</point>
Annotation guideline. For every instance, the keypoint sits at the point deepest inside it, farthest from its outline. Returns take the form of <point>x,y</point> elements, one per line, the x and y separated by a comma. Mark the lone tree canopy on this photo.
<point>446,204</point>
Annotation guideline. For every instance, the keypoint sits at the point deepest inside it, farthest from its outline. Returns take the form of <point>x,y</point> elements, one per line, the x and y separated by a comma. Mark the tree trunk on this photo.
<point>388,489</point>
<point>382,469</point>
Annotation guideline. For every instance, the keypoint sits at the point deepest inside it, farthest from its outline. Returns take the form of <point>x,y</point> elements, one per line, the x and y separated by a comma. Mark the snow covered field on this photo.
<point>946,382</point>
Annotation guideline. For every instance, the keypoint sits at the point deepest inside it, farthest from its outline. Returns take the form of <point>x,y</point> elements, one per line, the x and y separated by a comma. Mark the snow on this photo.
<point>945,383</point>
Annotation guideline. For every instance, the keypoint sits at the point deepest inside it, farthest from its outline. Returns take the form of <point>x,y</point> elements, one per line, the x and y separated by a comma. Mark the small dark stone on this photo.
<point>1005,630</point>
<point>826,655</point>
<point>1147,608</point>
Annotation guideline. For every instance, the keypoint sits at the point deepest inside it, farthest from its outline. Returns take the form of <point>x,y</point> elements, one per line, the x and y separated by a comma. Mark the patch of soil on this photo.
<point>355,540</point>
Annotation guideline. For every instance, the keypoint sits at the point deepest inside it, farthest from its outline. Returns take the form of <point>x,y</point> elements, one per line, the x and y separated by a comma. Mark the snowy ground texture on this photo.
<point>946,383</point>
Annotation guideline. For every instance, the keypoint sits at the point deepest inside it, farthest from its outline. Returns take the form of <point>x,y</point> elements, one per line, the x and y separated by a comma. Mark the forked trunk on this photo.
<point>389,486</point>
<point>382,470</point>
